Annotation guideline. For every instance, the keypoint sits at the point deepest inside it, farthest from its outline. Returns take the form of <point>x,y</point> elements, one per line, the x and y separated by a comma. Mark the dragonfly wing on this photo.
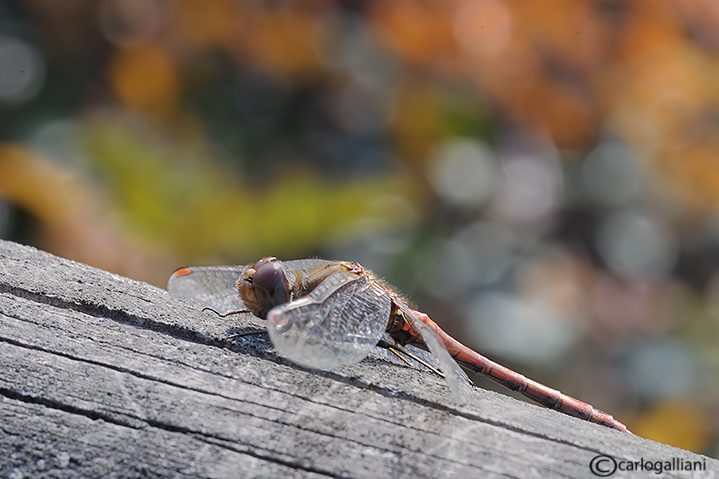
<point>213,286</point>
<point>457,380</point>
<point>337,324</point>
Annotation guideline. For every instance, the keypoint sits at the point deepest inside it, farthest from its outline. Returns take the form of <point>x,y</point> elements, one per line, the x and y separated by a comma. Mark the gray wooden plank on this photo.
<point>73,445</point>
<point>104,374</point>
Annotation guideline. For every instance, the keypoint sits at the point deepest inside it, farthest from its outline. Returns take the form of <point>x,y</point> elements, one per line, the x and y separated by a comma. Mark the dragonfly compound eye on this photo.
<point>271,286</point>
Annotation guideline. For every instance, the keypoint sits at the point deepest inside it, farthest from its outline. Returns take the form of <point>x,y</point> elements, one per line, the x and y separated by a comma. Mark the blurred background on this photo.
<point>539,177</point>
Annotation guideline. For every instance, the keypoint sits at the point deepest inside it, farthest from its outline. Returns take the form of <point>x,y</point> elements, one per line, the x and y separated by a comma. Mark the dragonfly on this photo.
<point>326,314</point>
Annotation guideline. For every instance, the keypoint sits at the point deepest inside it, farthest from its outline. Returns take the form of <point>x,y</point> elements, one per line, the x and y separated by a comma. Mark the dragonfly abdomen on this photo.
<point>537,392</point>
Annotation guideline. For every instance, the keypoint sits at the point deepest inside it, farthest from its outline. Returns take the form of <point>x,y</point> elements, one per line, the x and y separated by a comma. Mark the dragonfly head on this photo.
<point>264,286</point>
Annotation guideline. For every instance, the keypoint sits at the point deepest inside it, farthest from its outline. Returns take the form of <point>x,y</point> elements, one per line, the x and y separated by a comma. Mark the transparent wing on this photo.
<point>337,324</point>
<point>457,380</point>
<point>213,286</point>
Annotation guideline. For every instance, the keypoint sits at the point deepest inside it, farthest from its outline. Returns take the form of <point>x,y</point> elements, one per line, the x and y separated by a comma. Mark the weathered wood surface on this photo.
<point>102,376</point>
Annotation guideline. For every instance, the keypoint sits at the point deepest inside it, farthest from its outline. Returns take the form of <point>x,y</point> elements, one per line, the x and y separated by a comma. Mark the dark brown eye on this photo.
<point>270,285</point>
<point>264,261</point>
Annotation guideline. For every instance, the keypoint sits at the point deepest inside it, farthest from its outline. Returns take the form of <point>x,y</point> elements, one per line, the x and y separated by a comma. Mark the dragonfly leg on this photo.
<point>229,313</point>
<point>396,350</point>
<point>423,363</point>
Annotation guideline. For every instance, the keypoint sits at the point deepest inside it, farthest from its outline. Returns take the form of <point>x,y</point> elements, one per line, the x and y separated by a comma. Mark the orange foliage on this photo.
<point>421,31</point>
<point>144,78</point>
<point>679,423</point>
<point>571,68</point>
